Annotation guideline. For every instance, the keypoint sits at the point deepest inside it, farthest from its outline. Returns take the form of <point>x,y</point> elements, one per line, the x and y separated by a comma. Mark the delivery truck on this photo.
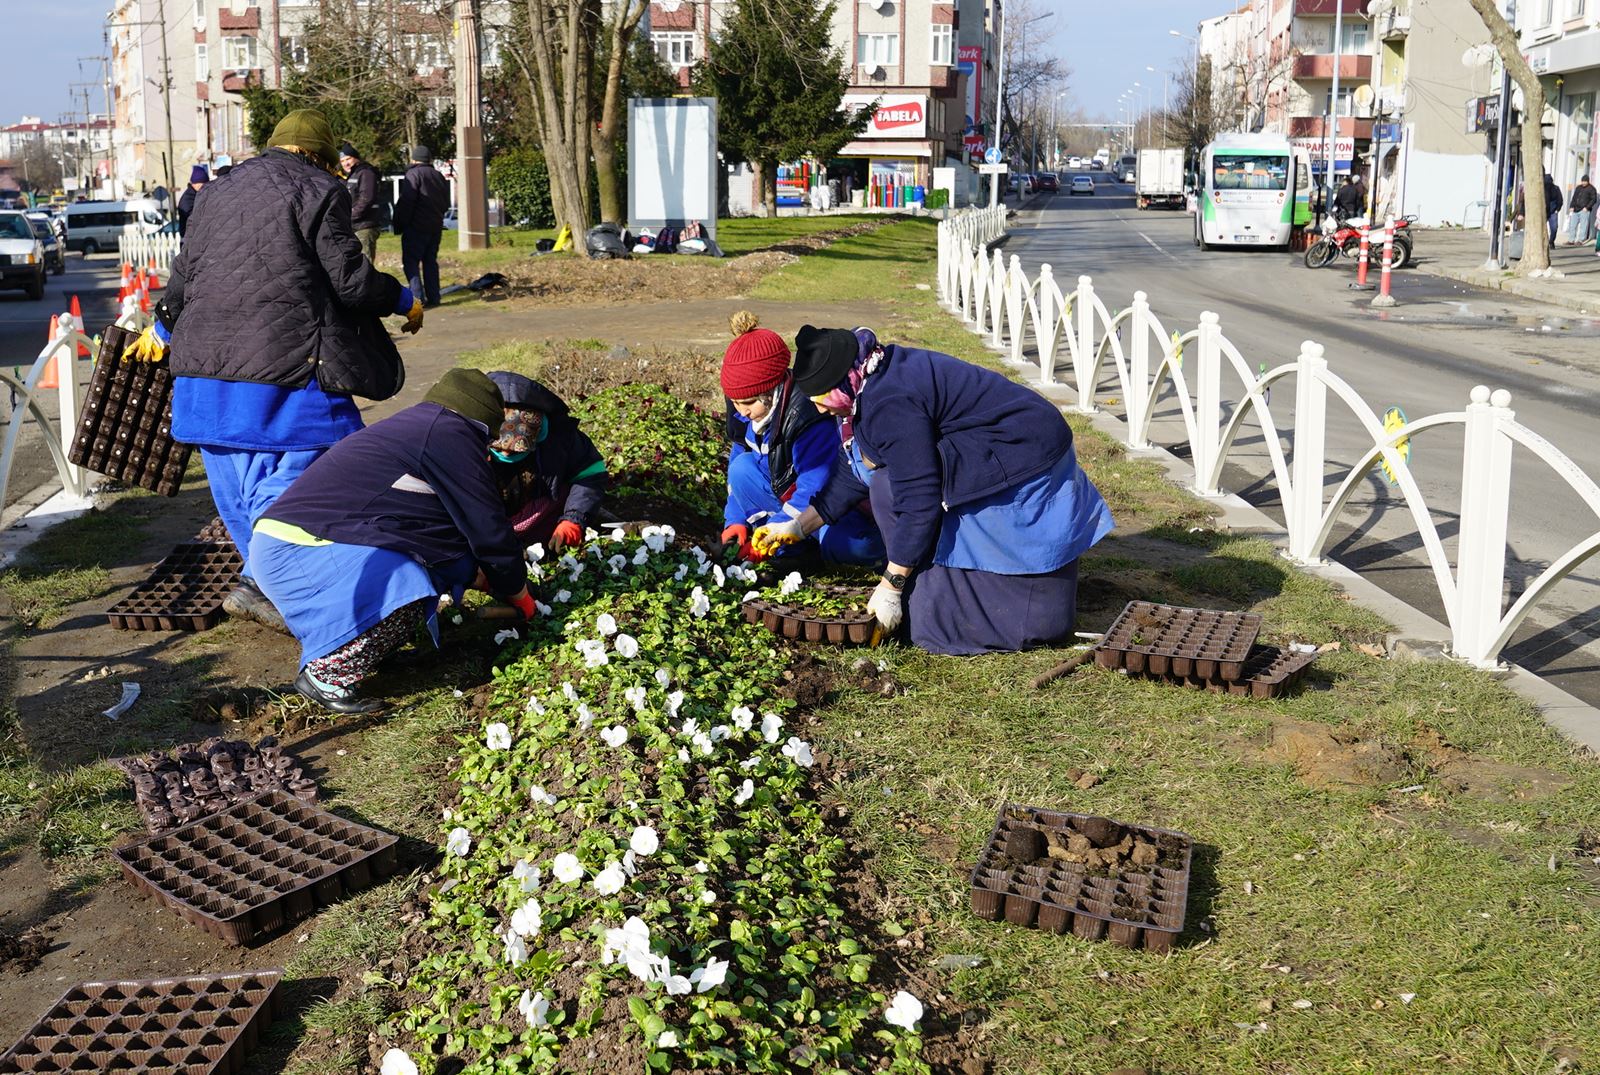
<point>1159,178</point>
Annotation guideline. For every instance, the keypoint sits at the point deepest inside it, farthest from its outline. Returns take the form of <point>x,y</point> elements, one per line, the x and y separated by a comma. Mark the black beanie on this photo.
<point>470,394</point>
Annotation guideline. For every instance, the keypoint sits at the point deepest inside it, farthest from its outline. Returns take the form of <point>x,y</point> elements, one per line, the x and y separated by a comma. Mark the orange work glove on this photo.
<point>737,534</point>
<point>567,533</point>
<point>523,603</point>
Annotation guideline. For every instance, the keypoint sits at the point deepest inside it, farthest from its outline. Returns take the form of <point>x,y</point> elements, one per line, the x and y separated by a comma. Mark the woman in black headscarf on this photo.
<point>551,477</point>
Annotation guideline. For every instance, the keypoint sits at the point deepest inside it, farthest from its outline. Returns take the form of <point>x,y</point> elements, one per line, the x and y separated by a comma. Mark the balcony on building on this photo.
<point>238,81</point>
<point>248,19</point>
<point>1312,127</point>
<point>1357,8</point>
<point>1351,68</point>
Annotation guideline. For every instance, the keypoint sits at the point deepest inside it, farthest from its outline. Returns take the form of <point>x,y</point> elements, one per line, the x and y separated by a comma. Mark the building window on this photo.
<point>1346,102</point>
<point>202,64</point>
<point>942,46</point>
<point>877,50</point>
<point>676,48</point>
<point>293,52</point>
<point>199,12</point>
<point>430,55</point>
<point>239,53</point>
<point>1574,9</point>
<point>1547,12</point>
<point>1355,38</point>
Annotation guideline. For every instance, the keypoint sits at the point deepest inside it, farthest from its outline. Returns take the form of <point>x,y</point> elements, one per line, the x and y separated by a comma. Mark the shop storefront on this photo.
<point>892,162</point>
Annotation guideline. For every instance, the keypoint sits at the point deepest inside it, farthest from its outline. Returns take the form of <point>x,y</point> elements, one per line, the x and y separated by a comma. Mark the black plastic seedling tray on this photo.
<point>181,1026</point>
<point>183,593</point>
<point>1020,879</point>
<point>125,430</point>
<point>1269,672</point>
<point>173,788</point>
<point>1168,640</point>
<point>257,866</point>
<point>798,624</point>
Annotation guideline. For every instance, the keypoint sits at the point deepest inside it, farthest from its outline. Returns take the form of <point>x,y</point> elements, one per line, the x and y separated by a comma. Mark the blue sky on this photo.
<point>1106,43</point>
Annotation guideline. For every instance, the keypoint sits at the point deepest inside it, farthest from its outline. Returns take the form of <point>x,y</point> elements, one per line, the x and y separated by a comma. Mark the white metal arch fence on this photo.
<point>148,251</point>
<point>999,301</point>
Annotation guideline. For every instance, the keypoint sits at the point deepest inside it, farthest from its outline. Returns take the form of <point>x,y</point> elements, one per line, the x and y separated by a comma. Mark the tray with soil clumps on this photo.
<point>183,593</point>
<point>125,430</point>
<point>838,615</point>
<point>257,866</point>
<point>204,1025</point>
<point>1090,876</point>
<point>173,788</point>
<point>1168,640</point>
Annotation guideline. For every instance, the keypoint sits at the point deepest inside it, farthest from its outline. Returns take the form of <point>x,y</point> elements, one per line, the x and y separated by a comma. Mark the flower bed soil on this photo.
<point>257,866</point>
<point>195,1026</point>
<point>173,788</point>
<point>1167,640</point>
<point>183,593</point>
<point>125,430</point>
<point>1091,876</point>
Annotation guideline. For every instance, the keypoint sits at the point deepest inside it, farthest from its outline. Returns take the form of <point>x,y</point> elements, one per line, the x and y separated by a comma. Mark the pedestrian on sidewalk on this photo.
<point>198,177</point>
<point>419,220</point>
<point>1580,219</point>
<point>359,549</point>
<point>362,180</point>
<point>272,317</point>
<point>1552,206</point>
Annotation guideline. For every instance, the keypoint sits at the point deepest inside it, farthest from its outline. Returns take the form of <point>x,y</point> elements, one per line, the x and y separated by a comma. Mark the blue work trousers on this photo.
<point>853,539</point>
<point>245,483</point>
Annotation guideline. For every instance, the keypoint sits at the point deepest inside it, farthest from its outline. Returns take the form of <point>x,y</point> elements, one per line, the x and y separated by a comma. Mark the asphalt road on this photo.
<point>1425,355</point>
<point>24,328</point>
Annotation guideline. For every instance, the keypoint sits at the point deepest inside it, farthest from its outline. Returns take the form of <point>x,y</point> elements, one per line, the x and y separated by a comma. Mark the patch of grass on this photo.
<point>37,600</point>
<point>67,563</point>
<point>745,235</point>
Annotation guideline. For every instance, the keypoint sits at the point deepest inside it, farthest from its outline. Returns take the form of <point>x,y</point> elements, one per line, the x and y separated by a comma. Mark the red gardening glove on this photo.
<point>737,534</point>
<point>523,603</point>
<point>567,533</point>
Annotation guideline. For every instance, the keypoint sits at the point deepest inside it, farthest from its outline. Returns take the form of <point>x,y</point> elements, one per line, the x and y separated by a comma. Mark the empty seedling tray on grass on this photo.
<point>184,592</point>
<point>257,866</point>
<point>1169,640</point>
<point>1090,876</point>
<point>125,430</point>
<point>189,1026</point>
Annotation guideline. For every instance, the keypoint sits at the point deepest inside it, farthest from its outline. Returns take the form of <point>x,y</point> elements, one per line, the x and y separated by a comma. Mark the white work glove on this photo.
<point>887,605</point>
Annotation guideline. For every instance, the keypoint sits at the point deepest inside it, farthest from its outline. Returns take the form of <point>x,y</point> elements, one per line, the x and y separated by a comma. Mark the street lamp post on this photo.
<point>1055,132</point>
<point>1000,79</point>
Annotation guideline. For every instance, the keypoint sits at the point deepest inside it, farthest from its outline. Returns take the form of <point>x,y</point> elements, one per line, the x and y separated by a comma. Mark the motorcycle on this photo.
<point>1344,237</point>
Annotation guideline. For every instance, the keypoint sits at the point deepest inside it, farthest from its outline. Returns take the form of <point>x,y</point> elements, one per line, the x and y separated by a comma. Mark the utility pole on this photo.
<point>166,98</point>
<point>472,196</point>
<point>1333,105</point>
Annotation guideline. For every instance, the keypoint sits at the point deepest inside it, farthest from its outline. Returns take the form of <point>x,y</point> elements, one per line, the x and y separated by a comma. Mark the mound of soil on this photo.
<point>23,951</point>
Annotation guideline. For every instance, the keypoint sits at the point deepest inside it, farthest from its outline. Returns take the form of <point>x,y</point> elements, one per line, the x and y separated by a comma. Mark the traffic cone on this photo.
<point>77,316</point>
<point>48,378</point>
<point>127,278</point>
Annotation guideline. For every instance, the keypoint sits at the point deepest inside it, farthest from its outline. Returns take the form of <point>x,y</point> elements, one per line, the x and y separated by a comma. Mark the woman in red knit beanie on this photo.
<point>781,450</point>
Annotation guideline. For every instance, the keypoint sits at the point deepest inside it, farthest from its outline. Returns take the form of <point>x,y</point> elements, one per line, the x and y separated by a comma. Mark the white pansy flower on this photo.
<point>630,862</point>
<point>534,1008</point>
<point>577,569</point>
<point>677,984</point>
<point>691,727</point>
<point>663,677</point>
<point>701,867</point>
<point>497,736</point>
<point>705,565</point>
<point>683,755</point>
<point>396,1062</point>
<point>516,950</point>
<point>751,762</point>
<point>627,646</point>
<point>541,796</point>
<point>527,875</point>
<point>641,557</point>
<point>606,624</point>
<point>791,582</point>
<point>593,651</point>
<point>678,575</point>
<point>644,840</point>
<point>535,553</point>
<point>585,716</point>
<point>609,881</point>
<point>459,842</point>
<point>507,635</point>
<point>798,751</point>
<point>630,945</point>
<point>635,697</point>
<point>541,608</point>
<point>619,534</point>
<point>713,974</point>
<point>527,920</point>
<point>698,553</point>
<point>667,1040</point>
<point>563,596</point>
<point>614,736</point>
<point>771,724</point>
<point>570,692</point>
<point>703,742</point>
<point>674,701</point>
<point>719,576</point>
<point>535,707</point>
<point>617,563</point>
<point>747,789</point>
<point>708,896</point>
<point>699,603</point>
<point>535,572</point>
<point>720,732</point>
<point>566,868</point>
<point>743,717</point>
<point>903,1011</point>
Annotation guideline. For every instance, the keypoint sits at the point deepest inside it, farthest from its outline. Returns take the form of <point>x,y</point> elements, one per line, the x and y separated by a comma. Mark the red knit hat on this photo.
<point>756,361</point>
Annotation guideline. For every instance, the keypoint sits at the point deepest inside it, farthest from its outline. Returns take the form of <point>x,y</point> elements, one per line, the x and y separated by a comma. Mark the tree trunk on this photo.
<point>624,21</point>
<point>564,142</point>
<point>768,205</point>
<point>1536,234</point>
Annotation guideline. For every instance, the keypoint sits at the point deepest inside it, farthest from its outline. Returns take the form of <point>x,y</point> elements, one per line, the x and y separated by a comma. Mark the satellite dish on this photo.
<point>881,4</point>
<point>1363,95</point>
<point>873,70</point>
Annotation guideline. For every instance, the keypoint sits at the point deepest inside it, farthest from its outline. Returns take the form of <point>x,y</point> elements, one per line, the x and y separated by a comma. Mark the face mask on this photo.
<point>508,457</point>
<point>544,428</point>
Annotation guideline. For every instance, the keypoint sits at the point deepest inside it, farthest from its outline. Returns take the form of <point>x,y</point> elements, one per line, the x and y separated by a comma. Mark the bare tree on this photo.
<point>622,22</point>
<point>1032,77</point>
<point>1536,236</point>
<point>556,56</point>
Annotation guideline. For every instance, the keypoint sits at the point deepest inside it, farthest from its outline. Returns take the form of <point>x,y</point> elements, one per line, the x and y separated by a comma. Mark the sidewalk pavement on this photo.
<point>1459,254</point>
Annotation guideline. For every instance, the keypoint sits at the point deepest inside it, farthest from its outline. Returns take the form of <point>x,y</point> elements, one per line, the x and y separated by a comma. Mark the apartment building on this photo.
<point>929,65</point>
<point>1561,39</point>
<point>149,153</point>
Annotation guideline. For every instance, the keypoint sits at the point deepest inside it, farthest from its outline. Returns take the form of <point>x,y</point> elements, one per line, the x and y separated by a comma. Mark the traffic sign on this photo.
<point>992,155</point>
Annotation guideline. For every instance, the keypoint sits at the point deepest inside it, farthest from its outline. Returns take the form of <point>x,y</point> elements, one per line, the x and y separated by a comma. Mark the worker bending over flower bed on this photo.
<point>551,477</point>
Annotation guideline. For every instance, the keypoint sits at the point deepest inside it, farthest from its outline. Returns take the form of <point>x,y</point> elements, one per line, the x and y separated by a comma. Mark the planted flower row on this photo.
<point>636,843</point>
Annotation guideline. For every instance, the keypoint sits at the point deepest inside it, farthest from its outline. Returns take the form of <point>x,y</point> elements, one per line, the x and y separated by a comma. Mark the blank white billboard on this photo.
<point>672,162</point>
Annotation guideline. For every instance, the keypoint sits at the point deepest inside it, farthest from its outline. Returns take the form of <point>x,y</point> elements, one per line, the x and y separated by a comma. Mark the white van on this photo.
<point>96,226</point>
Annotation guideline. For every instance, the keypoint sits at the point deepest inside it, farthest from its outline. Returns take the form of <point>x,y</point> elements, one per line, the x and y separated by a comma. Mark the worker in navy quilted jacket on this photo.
<point>272,319</point>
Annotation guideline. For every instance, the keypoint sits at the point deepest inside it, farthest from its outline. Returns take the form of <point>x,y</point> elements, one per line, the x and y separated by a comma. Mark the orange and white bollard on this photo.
<point>1383,298</point>
<point>1365,257</point>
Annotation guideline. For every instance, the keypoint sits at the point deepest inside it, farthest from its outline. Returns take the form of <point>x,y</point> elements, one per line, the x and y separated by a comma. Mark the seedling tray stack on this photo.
<point>1027,875</point>
<point>1200,648</point>
<point>192,1026</point>
<point>125,431</point>
<point>209,776</point>
<point>183,593</point>
<point>257,866</point>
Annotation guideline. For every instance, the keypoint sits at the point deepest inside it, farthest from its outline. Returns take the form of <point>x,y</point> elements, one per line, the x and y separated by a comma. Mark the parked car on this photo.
<point>1132,179</point>
<point>22,264</point>
<point>451,219</point>
<point>55,250</point>
<point>1082,184</point>
<point>1047,181</point>
<point>96,226</point>
<point>1075,162</point>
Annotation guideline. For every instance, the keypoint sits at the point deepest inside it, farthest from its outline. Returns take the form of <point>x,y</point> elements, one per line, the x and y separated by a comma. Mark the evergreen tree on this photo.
<point>778,81</point>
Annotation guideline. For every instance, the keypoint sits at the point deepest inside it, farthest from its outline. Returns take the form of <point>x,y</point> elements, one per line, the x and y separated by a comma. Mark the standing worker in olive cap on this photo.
<point>419,221</point>
<point>272,317</point>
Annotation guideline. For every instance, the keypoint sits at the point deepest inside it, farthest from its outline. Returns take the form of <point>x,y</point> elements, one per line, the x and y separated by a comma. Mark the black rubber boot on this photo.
<point>338,700</point>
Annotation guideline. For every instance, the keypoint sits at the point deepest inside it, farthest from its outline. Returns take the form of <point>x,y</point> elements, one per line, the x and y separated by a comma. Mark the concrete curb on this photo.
<point>1539,291</point>
<point>1415,631</point>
